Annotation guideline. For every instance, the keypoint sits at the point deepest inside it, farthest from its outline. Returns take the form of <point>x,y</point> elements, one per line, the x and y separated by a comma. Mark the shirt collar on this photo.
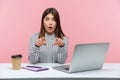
<point>49,36</point>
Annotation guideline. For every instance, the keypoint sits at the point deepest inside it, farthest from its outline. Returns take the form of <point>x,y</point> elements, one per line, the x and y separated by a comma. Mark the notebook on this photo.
<point>35,68</point>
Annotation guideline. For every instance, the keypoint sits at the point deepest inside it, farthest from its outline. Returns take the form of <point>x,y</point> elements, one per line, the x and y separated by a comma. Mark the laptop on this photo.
<point>89,56</point>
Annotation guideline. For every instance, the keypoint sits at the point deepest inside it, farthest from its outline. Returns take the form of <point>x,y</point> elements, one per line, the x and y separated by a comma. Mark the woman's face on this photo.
<point>49,23</point>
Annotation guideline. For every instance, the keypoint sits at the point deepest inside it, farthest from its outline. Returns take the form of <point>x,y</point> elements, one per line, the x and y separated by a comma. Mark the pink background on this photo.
<point>83,21</point>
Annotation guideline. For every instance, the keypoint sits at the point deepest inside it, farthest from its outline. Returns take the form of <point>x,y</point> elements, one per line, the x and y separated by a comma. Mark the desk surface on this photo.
<point>109,70</point>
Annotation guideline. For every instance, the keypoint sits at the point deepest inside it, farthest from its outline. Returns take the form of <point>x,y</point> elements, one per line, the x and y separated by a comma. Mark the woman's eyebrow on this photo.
<point>46,17</point>
<point>50,17</point>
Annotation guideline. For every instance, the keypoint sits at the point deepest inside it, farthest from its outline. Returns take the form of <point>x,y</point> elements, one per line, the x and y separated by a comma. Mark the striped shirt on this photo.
<point>48,53</point>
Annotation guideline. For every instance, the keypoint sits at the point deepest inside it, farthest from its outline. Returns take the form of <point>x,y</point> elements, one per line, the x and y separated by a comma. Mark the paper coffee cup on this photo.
<point>16,61</point>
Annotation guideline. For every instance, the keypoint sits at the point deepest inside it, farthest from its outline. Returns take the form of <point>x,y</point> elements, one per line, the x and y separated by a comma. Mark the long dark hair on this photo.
<point>58,31</point>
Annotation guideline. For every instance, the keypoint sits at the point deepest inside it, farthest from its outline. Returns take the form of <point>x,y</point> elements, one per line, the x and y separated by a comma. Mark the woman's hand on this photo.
<point>59,42</point>
<point>40,42</point>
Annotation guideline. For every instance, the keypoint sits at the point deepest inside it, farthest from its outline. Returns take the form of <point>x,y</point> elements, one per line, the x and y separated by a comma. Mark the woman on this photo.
<point>50,44</point>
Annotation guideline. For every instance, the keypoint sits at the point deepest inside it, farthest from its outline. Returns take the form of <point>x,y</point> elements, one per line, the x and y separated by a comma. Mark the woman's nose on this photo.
<point>50,22</point>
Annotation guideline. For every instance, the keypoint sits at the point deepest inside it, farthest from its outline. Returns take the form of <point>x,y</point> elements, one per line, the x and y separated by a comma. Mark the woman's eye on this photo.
<point>53,19</point>
<point>46,19</point>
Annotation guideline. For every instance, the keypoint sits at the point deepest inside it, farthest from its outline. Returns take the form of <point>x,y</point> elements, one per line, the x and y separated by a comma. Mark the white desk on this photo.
<point>110,71</point>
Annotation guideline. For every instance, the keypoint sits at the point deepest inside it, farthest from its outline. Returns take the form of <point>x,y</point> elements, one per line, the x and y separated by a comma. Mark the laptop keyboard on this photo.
<point>67,67</point>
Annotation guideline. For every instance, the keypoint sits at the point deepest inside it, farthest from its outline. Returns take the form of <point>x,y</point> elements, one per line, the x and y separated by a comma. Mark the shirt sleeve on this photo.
<point>62,52</point>
<point>34,51</point>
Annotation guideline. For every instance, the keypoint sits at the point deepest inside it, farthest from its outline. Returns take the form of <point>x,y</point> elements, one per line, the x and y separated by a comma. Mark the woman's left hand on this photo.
<point>59,42</point>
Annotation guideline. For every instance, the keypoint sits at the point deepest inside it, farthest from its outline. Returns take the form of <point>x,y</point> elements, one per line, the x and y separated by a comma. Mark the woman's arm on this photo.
<point>62,52</point>
<point>34,51</point>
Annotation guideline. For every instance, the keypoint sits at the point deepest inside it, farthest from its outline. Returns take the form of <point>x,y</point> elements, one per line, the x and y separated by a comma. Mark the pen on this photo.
<point>34,66</point>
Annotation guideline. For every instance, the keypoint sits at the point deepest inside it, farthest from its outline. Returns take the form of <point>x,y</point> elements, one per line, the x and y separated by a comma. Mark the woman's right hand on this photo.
<point>40,42</point>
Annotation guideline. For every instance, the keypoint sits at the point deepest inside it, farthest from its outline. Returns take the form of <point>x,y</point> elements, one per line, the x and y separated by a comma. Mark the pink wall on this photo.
<point>82,21</point>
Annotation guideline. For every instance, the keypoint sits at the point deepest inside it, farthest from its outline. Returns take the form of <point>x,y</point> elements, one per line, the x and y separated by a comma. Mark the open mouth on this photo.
<point>50,27</point>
